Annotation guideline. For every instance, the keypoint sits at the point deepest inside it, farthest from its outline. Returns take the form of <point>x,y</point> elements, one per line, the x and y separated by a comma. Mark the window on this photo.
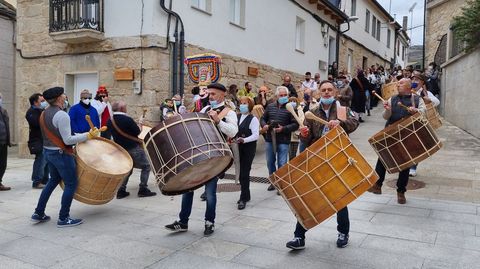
<point>378,30</point>
<point>389,34</point>
<point>374,26</point>
<point>367,21</point>
<point>353,11</point>
<point>237,12</point>
<point>300,35</point>
<point>403,53</point>
<point>349,60</point>
<point>203,5</point>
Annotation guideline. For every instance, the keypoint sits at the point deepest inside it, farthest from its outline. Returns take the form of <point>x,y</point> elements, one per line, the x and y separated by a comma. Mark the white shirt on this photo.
<point>229,127</point>
<point>254,127</point>
<point>310,84</point>
<point>100,107</point>
<point>432,97</point>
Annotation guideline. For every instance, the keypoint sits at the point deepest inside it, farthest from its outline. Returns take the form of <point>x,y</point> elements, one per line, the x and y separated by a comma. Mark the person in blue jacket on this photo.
<point>78,112</point>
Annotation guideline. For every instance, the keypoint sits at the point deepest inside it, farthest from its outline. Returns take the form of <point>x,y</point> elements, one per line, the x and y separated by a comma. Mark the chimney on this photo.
<point>405,23</point>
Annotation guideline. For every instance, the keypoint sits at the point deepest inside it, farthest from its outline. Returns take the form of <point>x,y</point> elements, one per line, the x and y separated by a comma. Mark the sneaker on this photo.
<point>68,222</point>
<point>177,226</point>
<point>360,120</point>
<point>209,228</point>
<point>401,198</point>
<point>375,189</point>
<point>203,197</point>
<point>122,194</point>
<point>241,205</point>
<point>413,172</point>
<point>271,187</point>
<point>342,240</point>
<point>37,218</point>
<point>145,192</point>
<point>38,186</point>
<point>297,243</point>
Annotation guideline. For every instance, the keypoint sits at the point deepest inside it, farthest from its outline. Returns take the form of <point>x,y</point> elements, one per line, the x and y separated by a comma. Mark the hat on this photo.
<point>102,90</point>
<point>85,93</point>
<point>217,86</point>
<point>53,93</point>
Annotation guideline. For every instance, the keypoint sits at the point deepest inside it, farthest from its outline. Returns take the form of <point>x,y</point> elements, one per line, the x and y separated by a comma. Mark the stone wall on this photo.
<point>7,70</point>
<point>357,58</point>
<point>439,17</point>
<point>460,96</point>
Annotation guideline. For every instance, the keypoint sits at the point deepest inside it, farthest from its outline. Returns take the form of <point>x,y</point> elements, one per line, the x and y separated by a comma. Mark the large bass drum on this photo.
<point>186,151</point>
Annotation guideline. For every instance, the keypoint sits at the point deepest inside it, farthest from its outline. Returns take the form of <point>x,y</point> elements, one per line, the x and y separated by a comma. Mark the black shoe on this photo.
<point>38,186</point>
<point>122,194</point>
<point>360,120</point>
<point>145,192</point>
<point>271,187</point>
<point>239,200</point>
<point>368,113</point>
<point>342,240</point>
<point>177,226</point>
<point>209,228</point>
<point>241,205</point>
<point>203,197</point>
<point>297,243</point>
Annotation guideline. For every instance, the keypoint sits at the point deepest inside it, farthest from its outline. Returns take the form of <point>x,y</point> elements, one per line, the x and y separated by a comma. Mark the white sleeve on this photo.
<point>433,98</point>
<point>255,128</point>
<point>99,106</point>
<point>229,127</point>
<point>61,120</point>
<point>387,113</point>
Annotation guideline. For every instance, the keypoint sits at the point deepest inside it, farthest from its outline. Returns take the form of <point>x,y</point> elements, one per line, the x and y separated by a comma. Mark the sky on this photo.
<point>400,8</point>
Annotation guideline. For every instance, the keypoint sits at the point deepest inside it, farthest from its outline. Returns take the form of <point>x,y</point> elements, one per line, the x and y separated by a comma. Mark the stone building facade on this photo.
<point>439,18</point>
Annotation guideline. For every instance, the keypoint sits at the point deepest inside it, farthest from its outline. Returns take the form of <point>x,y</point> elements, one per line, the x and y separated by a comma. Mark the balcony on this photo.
<point>76,21</point>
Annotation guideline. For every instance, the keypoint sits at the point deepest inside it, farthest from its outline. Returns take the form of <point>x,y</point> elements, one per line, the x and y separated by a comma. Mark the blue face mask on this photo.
<point>43,104</point>
<point>213,103</point>
<point>244,108</point>
<point>178,103</point>
<point>294,104</point>
<point>414,85</point>
<point>283,100</point>
<point>327,101</point>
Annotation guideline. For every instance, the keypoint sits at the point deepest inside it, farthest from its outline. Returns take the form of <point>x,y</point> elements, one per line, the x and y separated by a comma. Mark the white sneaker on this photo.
<point>413,172</point>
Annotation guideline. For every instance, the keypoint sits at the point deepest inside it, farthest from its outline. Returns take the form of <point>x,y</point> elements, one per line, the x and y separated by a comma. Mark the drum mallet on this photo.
<point>310,116</point>
<point>90,123</point>
<point>378,96</point>
<point>403,106</point>
<point>292,111</point>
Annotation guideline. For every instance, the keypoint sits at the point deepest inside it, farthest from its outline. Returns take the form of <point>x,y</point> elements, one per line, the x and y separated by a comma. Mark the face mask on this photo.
<point>43,104</point>
<point>65,104</point>
<point>86,101</point>
<point>307,79</point>
<point>340,84</point>
<point>243,108</point>
<point>430,67</point>
<point>327,101</point>
<point>283,100</point>
<point>414,85</point>
<point>294,104</point>
<point>177,103</point>
<point>213,103</point>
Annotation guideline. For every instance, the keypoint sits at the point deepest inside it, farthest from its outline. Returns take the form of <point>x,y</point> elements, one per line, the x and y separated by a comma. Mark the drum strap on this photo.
<point>52,137</point>
<point>223,113</point>
<point>360,84</point>
<point>122,133</point>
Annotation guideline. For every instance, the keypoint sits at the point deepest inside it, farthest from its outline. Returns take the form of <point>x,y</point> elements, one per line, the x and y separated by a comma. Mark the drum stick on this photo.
<point>301,115</point>
<point>414,92</point>
<point>90,123</point>
<point>103,129</point>
<point>403,106</point>
<point>378,96</point>
<point>310,116</point>
<point>292,111</point>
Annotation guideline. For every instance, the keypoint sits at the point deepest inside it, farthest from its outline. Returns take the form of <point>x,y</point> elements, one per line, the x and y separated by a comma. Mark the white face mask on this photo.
<point>86,101</point>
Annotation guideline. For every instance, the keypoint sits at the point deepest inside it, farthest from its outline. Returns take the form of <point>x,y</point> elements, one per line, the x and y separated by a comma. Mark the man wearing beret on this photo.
<point>57,149</point>
<point>227,125</point>
<point>78,112</point>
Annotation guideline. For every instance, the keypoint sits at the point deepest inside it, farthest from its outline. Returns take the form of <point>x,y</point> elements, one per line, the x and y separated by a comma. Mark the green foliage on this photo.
<point>467,25</point>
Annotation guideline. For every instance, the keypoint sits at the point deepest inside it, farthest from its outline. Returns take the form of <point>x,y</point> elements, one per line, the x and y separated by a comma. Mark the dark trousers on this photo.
<point>402,177</point>
<point>106,134</point>
<point>293,150</point>
<point>343,224</point>
<point>247,153</point>
<point>3,160</point>
<point>39,170</point>
<point>140,161</point>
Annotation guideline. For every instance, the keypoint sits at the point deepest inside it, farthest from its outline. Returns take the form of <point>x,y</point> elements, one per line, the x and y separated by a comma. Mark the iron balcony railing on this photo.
<point>67,15</point>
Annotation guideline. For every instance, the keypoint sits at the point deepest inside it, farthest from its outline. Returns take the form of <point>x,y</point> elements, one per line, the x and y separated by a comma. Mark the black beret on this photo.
<point>53,93</point>
<point>217,86</point>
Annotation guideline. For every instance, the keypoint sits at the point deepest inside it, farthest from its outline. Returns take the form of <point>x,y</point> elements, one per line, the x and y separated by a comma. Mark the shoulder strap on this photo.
<point>359,84</point>
<point>52,137</point>
<point>223,113</point>
<point>122,133</point>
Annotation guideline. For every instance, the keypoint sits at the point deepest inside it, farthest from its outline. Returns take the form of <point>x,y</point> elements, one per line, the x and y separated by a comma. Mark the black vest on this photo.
<point>399,112</point>
<point>244,127</point>
<point>218,109</point>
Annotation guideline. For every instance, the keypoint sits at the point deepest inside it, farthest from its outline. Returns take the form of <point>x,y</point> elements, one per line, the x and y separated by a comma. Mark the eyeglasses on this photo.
<point>86,98</point>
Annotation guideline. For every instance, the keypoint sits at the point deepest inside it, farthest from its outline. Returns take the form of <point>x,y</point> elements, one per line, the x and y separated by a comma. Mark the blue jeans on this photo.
<point>62,167</point>
<point>39,170</point>
<point>211,194</point>
<point>302,147</point>
<point>281,156</point>
<point>140,161</point>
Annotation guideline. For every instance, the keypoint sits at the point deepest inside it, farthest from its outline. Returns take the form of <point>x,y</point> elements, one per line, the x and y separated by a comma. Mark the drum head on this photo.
<point>196,176</point>
<point>104,156</point>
